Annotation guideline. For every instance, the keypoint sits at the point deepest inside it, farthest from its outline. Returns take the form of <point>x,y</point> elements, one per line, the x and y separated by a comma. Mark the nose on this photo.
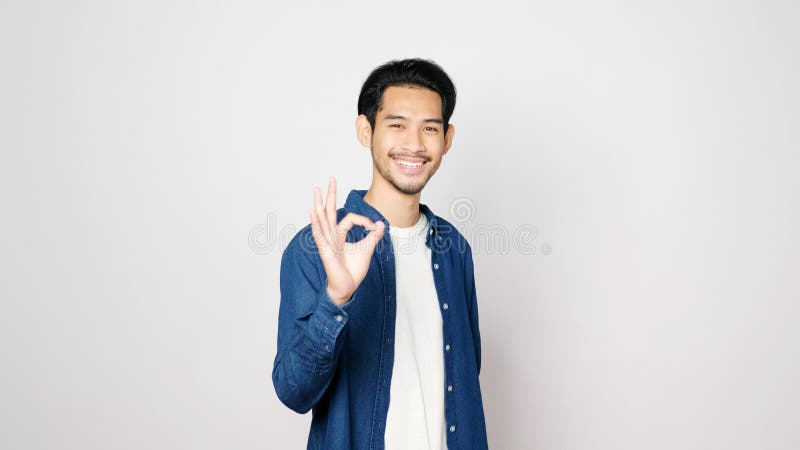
<point>413,142</point>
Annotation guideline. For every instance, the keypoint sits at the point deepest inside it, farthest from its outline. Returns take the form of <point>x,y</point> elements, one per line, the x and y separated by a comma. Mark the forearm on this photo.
<point>311,347</point>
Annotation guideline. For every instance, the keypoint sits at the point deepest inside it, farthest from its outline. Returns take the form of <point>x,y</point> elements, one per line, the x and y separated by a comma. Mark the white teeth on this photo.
<point>409,164</point>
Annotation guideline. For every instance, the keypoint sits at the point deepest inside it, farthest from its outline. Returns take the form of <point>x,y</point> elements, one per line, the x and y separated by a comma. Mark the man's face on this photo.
<point>408,141</point>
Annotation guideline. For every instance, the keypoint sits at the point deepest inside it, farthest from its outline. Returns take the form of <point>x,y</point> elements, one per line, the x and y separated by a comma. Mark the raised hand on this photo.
<point>346,263</point>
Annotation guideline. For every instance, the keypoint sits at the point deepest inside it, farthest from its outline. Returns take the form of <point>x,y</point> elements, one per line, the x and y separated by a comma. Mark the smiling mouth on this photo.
<point>410,163</point>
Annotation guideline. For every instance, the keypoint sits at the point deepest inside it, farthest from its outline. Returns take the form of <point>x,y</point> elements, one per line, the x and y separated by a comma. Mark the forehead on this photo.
<point>410,101</point>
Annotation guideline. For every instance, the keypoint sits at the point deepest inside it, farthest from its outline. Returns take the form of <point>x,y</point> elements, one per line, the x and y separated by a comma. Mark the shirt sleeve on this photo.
<point>472,304</point>
<point>311,327</point>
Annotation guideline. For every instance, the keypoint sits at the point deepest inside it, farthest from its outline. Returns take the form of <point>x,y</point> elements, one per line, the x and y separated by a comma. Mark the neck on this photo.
<point>401,210</point>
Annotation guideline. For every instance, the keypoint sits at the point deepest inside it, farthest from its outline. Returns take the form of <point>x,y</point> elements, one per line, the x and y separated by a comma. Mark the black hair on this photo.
<point>406,72</point>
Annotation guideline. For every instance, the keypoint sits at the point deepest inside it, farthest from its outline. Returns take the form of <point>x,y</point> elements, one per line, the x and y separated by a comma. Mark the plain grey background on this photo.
<point>156,155</point>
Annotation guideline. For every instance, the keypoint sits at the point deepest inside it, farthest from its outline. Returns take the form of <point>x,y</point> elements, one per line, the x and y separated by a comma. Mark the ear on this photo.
<point>364,131</point>
<point>448,138</point>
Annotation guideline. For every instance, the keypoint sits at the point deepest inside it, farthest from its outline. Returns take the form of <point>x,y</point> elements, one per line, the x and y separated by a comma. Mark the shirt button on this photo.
<point>450,388</point>
<point>436,265</point>
<point>338,317</point>
<point>445,306</point>
<point>431,231</point>
<point>452,428</point>
<point>447,348</point>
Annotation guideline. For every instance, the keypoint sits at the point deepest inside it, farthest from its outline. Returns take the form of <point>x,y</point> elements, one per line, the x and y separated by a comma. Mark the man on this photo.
<point>378,323</point>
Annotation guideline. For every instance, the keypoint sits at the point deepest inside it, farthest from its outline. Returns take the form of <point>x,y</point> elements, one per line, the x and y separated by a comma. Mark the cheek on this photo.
<point>435,144</point>
<point>389,141</point>
<point>382,143</point>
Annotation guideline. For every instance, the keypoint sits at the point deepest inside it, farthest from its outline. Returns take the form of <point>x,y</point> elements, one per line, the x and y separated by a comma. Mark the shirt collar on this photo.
<point>355,203</point>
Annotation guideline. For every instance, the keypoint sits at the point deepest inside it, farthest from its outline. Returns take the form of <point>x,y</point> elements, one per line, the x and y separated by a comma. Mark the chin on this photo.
<point>409,188</point>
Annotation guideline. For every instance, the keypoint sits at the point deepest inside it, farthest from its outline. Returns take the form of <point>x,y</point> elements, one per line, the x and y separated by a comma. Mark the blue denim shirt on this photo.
<point>337,361</point>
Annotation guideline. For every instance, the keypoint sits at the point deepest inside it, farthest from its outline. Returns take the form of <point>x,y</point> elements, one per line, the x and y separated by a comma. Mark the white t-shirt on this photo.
<point>416,395</point>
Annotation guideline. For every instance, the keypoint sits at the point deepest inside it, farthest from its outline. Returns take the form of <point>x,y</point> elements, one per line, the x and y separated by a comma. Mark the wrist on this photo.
<point>337,298</point>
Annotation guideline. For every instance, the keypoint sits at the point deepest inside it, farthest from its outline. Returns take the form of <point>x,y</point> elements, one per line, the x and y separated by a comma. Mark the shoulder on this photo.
<point>301,243</point>
<point>301,256</point>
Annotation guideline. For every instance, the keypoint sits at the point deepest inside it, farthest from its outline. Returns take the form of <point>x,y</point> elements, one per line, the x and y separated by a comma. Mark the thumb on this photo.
<point>374,236</point>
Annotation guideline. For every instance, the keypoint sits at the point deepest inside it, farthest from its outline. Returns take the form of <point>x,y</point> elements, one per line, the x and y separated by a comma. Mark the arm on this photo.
<point>472,304</point>
<point>320,272</point>
<point>311,328</point>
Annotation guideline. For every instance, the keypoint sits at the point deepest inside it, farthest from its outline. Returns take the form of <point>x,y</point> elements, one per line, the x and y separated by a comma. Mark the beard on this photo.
<point>407,187</point>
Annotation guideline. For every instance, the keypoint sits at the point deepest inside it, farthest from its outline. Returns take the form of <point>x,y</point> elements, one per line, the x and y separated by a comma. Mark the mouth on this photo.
<point>410,166</point>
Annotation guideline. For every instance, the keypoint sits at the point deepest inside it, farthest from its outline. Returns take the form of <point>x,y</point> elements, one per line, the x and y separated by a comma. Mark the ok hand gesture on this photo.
<point>346,263</point>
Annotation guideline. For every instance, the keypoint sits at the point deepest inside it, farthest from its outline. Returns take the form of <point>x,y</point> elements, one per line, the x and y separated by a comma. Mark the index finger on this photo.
<point>355,219</point>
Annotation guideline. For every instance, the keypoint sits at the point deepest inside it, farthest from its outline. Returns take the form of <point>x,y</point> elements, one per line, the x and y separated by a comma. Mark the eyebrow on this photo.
<point>396,117</point>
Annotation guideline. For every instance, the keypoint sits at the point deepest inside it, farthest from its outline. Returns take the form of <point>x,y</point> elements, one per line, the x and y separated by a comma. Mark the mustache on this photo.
<point>409,155</point>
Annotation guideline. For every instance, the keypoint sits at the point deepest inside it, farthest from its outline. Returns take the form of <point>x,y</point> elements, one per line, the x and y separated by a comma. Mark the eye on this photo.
<point>433,129</point>
<point>396,125</point>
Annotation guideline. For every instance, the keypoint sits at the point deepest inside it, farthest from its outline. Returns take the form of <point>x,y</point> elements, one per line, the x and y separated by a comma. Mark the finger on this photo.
<point>330,202</point>
<point>320,238</point>
<point>351,219</point>
<point>339,232</point>
<point>320,212</point>
<point>367,245</point>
